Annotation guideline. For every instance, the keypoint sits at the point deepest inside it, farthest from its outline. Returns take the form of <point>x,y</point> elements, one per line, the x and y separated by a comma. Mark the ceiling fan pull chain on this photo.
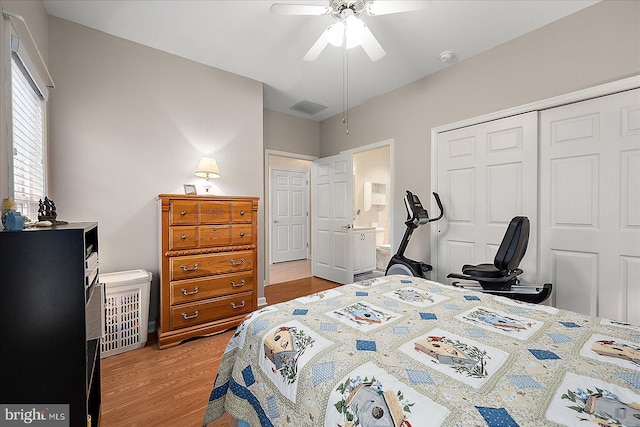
<point>345,82</point>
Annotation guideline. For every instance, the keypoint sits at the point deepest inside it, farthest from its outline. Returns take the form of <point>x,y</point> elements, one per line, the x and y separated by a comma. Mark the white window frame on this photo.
<point>17,51</point>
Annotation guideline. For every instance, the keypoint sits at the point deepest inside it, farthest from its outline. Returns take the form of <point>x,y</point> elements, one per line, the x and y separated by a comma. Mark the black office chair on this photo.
<point>501,277</point>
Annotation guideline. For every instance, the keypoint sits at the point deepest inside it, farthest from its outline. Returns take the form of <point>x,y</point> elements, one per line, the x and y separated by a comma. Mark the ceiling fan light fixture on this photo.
<point>336,33</point>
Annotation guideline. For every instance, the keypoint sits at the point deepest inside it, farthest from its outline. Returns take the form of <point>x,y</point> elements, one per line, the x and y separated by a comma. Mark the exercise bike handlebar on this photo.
<point>437,197</point>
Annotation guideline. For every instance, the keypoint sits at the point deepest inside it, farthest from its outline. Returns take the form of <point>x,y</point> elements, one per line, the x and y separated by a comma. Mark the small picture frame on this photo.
<point>190,189</point>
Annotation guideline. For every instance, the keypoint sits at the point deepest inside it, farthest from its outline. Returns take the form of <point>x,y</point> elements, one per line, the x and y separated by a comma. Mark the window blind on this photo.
<point>28,141</point>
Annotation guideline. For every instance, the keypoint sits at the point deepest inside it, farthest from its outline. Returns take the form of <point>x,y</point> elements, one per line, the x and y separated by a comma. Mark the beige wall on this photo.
<point>593,46</point>
<point>36,16</point>
<point>129,122</point>
<point>291,134</point>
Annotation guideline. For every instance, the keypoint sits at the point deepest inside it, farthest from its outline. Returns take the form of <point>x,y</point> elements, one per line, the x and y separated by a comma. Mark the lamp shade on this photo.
<point>207,168</point>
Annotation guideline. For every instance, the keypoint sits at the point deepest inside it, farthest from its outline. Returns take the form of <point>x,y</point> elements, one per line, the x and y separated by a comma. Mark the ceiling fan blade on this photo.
<point>382,7</point>
<point>371,45</point>
<point>317,48</point>
<point>298,9</point>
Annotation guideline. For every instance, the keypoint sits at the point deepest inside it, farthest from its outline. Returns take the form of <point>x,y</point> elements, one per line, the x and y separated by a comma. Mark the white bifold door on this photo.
<point>487,174</point>
<point>590,205</point>
<point>332,207</point>
<point>289,215</point>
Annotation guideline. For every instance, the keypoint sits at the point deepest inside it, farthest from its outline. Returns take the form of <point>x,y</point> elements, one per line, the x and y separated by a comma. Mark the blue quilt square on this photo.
<point>477,333</point>
<point>428,316</point>
<point>419,377</point>
<point>365,345</point>
<point>300,312</point>
<point>570,325</point>
<point>333,303</point>
<point>497,417</point>
<point>322,372</point>
<point>451,307</point>
<point>247,376</point>
<point>544,354</point>
<point>631,378</point>
<point>560,338</point>
<point>524,381</point>
<point>435,290</point>
<point>259,326</point>
<point>401,330</point>
<point>328,327</point>
<point>516,310</point>
<point>362,294</point>
<point>391,303</point>
<point>635,337</point>
<point>406,281</point>
<point>272,407</point>
<point>471,298</point>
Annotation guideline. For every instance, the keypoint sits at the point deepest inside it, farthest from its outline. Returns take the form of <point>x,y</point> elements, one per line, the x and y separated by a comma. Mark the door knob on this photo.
<point>275,221</point>
<point>346,227</point>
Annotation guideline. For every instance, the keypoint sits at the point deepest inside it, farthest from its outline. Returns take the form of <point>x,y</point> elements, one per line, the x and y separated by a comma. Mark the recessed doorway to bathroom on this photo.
<point>372,213</point>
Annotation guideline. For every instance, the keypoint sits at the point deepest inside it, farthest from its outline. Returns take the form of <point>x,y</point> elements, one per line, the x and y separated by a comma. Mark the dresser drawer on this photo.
<point>214,235</point>
<point>210,287</point>
<point>241,234</point>
<point>187,267</point>
<point>183,212</point>
<point>195,313</point>
<point>184,237</point>
<point>214,212</point>
<point>241,212</point>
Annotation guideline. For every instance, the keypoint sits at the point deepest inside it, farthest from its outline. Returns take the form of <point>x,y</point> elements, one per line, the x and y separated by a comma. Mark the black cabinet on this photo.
<point>51,311</point>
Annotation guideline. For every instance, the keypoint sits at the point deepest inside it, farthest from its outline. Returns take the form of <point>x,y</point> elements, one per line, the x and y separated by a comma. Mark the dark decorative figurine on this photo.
<point>47,211</point>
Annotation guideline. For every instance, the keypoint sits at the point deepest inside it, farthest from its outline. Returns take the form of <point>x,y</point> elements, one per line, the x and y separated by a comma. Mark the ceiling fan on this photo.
<point>349,30</point>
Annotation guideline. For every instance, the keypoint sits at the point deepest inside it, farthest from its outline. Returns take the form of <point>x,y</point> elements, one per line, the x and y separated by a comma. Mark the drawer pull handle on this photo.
<point>241,212</point>
<point>242,234</point>
<point>233,305</point>
<point>235,285</point>
<point>183,237</point>
<point>195,291</point>
<point>183,213</point>
<point>215,228</point>
<point>193,316</point>
<point>195,267</point>
<point>234,262</point>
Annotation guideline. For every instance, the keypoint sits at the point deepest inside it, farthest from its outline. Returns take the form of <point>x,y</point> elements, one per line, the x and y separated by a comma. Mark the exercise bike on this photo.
<point>417,216</point>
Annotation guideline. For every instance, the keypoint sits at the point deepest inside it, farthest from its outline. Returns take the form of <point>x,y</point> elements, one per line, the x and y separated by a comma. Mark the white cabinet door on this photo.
<point>590,205</point>
<point>357,252</point>
<point>332,204</point>
<point>364,251</point>
<point>487,174</point>
<point>368,250</point>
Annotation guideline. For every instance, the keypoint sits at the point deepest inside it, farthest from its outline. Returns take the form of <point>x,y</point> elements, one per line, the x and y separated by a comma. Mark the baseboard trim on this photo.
<point>262,301</point>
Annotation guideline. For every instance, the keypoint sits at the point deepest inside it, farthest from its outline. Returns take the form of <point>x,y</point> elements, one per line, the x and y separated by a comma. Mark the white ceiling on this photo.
<point>244,38</point>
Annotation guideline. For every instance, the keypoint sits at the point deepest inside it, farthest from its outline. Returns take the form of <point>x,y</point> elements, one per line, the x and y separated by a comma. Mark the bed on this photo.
<point>402,351</point>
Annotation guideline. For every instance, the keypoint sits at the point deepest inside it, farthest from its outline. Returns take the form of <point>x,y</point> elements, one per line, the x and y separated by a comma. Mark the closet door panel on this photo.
<point>487,174</point>
<point>590,204</point>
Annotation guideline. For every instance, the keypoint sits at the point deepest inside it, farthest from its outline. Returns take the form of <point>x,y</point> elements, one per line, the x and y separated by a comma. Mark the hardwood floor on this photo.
<point>149,387</point>
<point>289,270</point>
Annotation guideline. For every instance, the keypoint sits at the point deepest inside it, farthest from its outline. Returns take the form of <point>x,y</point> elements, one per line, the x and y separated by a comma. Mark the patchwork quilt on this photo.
<point>402,351</point>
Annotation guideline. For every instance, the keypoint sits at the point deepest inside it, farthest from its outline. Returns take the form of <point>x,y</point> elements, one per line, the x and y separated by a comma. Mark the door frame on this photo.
<point>267,203</point>
<point>556,101</point>
<point>306,202</point>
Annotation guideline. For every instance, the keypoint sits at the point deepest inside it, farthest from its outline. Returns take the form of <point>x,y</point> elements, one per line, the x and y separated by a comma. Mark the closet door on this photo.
<point>487,174</point>
<point>590,205</point>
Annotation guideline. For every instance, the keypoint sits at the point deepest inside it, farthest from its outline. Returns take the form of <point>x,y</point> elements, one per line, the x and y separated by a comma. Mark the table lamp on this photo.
<point>207,168</point>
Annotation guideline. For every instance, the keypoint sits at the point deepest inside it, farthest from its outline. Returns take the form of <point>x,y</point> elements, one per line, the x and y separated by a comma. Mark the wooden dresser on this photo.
<point>208,264</point>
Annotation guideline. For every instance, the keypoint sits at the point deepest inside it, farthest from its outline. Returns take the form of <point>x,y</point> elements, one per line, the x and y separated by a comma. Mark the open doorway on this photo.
<point>287,219</point>
<point>372,219</point>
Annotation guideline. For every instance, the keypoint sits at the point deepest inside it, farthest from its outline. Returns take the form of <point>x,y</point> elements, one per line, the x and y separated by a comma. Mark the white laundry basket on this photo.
<point>126,311</point>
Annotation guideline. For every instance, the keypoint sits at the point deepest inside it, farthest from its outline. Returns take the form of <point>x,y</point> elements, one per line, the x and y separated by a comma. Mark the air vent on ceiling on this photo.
<point>308,107</point>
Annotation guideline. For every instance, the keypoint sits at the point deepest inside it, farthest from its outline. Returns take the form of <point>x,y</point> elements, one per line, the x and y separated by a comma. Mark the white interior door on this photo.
<point>590,205</point>
<point>487,174</point>
<point>332,219</point>
<point>289,215</point>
